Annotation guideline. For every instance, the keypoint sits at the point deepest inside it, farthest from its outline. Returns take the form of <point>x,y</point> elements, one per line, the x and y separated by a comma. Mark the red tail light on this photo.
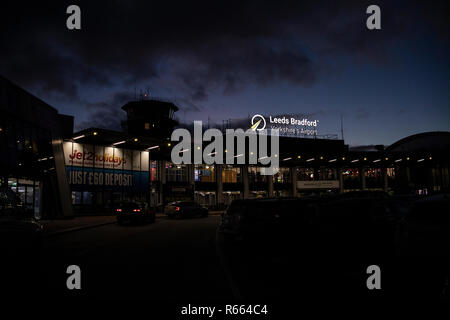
<point>177,208</point>
<point>118,210</point>
<point>137,210</point>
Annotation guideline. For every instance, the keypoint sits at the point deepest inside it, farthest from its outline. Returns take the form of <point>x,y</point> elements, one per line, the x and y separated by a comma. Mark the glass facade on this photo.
<point>305,174</point>
<point>282,176</point>
<point>255,175</point>
<point>231,174</point>
<point>204,173</point>
<point>26,156</point>
<point>176,172</point>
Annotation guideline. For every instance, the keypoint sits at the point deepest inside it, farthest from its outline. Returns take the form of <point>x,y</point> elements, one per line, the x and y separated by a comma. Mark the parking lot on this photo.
<point>264,250</point>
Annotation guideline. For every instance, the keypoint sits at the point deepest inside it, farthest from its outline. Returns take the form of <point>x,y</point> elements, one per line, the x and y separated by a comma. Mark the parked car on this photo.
<point>424,247</point>
<point>355,229</point>
<point>282,219</point>
<point>134,212</point>
<point>425,229</point>
<point>185,209</point>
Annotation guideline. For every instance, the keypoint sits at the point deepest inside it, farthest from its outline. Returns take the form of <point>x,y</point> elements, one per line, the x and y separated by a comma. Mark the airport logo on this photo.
<point>258,122</point>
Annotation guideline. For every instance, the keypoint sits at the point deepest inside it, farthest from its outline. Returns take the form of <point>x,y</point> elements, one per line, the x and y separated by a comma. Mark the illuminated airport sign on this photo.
<point>288,125</point>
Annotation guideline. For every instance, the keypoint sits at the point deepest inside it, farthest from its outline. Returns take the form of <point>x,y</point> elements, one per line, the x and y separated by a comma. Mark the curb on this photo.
<point>74,229</point>
<point>64,231</point>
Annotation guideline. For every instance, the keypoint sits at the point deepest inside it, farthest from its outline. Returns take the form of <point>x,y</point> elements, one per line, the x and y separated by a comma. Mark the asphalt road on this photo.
<point>170,260</point>
<point>180,261</point>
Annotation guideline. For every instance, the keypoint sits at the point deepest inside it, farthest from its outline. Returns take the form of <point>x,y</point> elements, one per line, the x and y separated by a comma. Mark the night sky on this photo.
<point>228,60</point>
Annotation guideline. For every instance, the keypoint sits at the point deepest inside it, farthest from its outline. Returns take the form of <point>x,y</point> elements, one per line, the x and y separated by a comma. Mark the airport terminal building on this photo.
<point>105,167</point>
<point>59,173</point>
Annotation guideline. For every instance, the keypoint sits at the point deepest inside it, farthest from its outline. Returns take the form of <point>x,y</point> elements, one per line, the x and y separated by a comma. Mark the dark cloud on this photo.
<point>106,118</point>
<point>199,46</point>
<point>106,114</point>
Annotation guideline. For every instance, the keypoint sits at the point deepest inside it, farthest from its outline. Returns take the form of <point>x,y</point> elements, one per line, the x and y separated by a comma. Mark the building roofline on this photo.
<point>415,136</point>
<point>28,93</point>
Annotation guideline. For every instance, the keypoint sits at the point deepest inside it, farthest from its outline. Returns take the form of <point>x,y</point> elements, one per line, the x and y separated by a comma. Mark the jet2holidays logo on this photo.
<point>232,146</point>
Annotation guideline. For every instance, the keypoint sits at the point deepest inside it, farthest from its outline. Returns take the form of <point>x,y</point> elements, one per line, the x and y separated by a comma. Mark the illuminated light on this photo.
<point>20,164</point>
<point>198,148</point>
<point>154,147</point>
<point>299,157</point>
<point>378,160</point>
<point>117,143</point>
<point>343,158</point>
<point>430,158</point>
<point>207,167</point>
<point>286,159</point>
<point>312,159</point>
<point>226,150</point>
<point>177,208</point>
<point>95,133</point>
<point>332,160</point>
<point>1,129</point>
<point>251,153</point>
<point>398,160</point>
<point>169,144</point>
<point>420,160</point>
<point>119,210</point>
<point>365,159</point>
<point>386,159</point>
<point>356,160</point>
<point>136,210</point>
<point>79,137</point>
<point>135,139</point>
<point>276,156</point>
<point>407,158</point>
<point>321,157</point>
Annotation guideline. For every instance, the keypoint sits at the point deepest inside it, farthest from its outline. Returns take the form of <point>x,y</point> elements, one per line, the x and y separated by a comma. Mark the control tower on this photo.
<point>151,117</point>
